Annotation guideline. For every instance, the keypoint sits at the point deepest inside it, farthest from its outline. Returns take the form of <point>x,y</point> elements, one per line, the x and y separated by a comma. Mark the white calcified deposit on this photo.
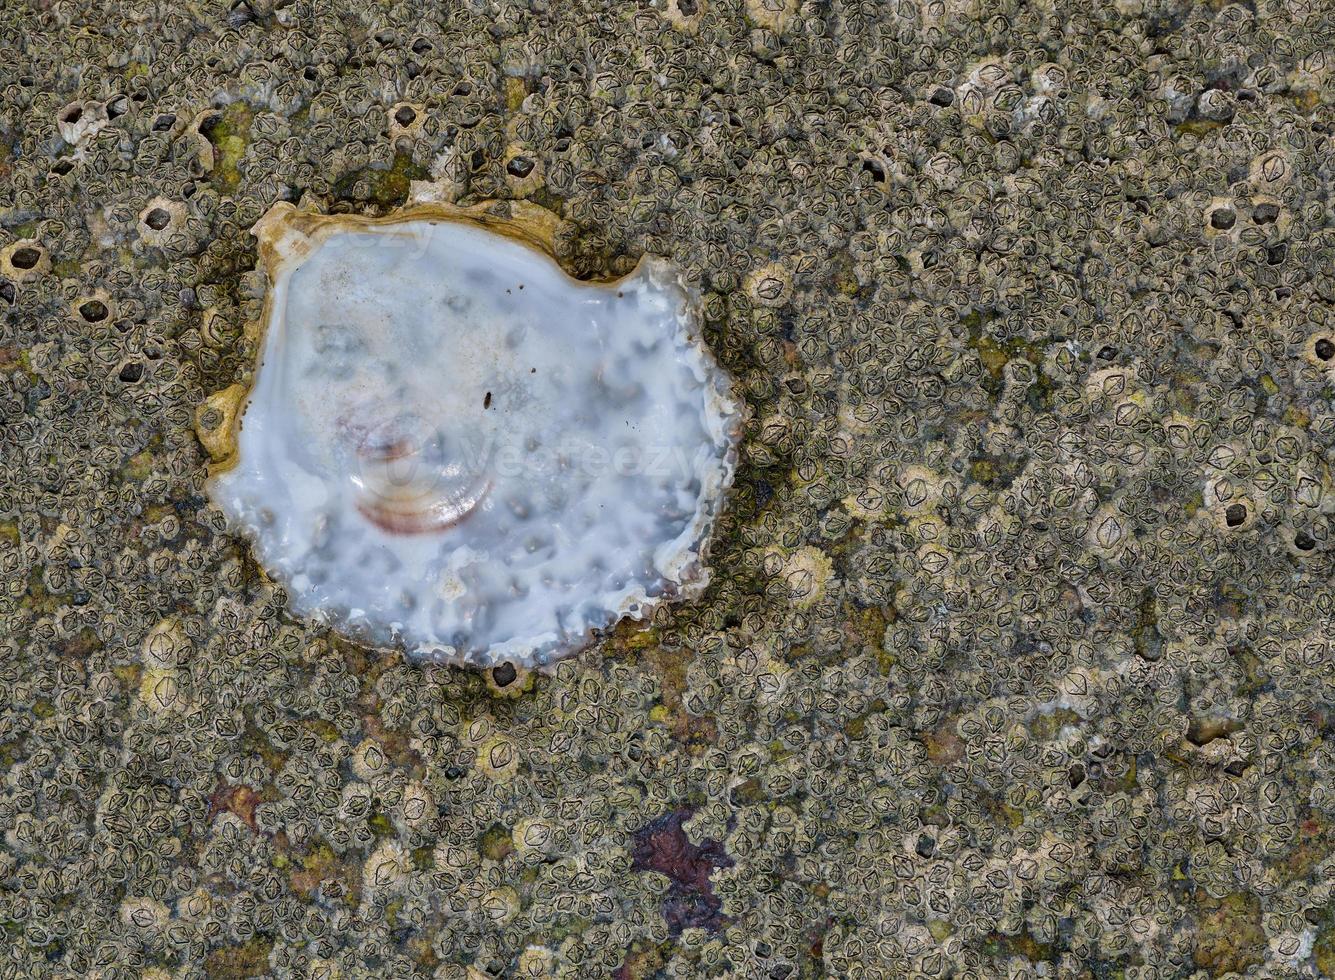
<point>451,445</point>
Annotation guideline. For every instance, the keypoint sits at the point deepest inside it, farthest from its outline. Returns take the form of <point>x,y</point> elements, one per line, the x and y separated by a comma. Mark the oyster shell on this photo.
<point>452,446</point>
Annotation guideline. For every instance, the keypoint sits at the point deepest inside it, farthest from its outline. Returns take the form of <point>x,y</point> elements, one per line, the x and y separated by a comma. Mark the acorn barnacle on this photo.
<point>451,446</point>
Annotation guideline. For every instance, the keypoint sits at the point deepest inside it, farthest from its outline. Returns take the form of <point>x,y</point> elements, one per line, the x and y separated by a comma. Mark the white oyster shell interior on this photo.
<point>452,446</point>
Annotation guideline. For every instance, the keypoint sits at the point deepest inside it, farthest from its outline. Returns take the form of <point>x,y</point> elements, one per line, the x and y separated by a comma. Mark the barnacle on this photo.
<point>416,808</point>
<point>685,14</point>
<point>159,219</point>
<point>165,647</point>
<point>385,870</point>
<point>773,14</point>
<point>451,445</point>
<point>80,120</point>
<point>498,757</point>
<point>94,308</point>
<point>769,285</point>
<point>143,913</point>
<point>24,260</point>
<point>162,690</point>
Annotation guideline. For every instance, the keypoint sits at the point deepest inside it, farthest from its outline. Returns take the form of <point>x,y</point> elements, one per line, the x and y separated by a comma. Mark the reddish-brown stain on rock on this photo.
<point>238,800</point>
<point>662,846</point>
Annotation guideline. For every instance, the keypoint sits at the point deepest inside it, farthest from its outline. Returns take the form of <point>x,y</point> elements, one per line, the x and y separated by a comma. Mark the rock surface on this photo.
<point>991,679</point>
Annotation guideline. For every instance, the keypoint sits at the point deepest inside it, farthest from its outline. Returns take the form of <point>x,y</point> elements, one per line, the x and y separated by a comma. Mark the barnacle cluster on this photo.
<point>1015,661</point>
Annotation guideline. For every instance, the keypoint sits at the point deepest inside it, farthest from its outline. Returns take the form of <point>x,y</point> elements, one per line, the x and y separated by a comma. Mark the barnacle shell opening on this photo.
<point>452,446</point>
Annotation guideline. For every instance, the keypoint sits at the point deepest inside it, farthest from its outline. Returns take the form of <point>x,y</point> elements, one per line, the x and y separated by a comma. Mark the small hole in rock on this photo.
<point>942,97</point>
<point>94,311</point>
<point>519,167</point>
<point>164,122</point>
<point>157,219</point>
<point>310,73</point>
<point>118,107</point>
<point>25,258</point>
<point>1222,219</point>
<point>504,674</point>
<point>405,115</point>
<point>1325,348</point>
<point>875,169</point>
<point>209,124</point>
<point>1274,255</point>
<point>1235,515</point>
<point>132,372</point>
<point>1264,214</point>
<point>72,115</point>
<point>1304,541</point>
<point>62,167</point>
